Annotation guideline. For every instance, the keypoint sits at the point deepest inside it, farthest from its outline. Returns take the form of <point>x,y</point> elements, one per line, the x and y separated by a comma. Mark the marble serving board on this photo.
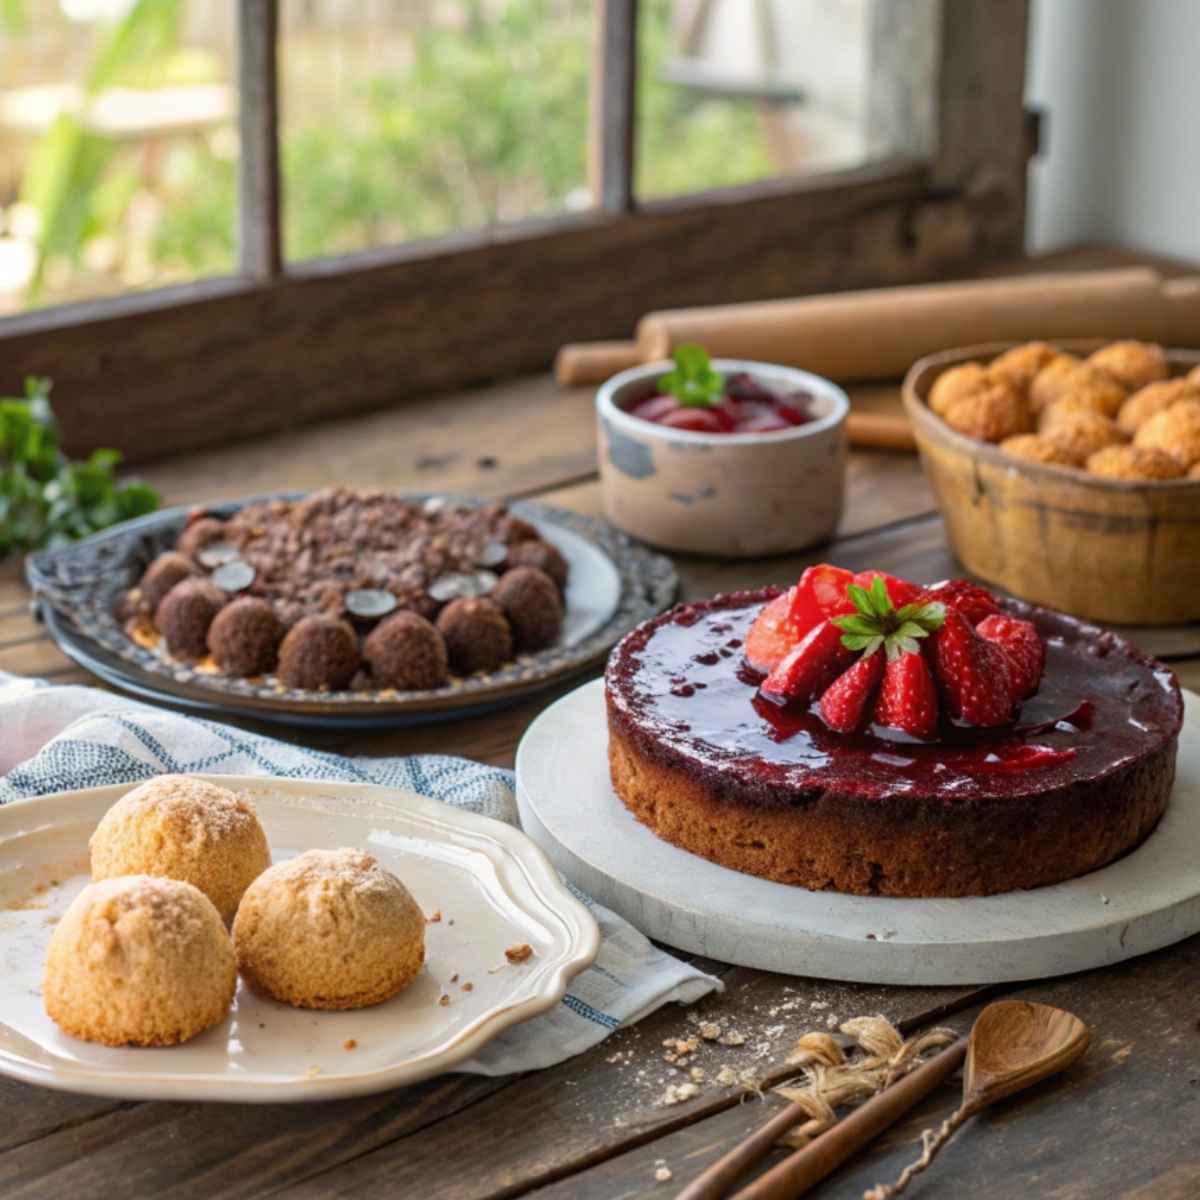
<point>1148,899</point>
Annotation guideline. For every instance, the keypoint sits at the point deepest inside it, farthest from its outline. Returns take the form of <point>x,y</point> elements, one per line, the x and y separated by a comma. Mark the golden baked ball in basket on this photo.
<point>1152,399</point>
<point>139,961</point>
<point>1081,434</point>
<point>1135,462</point>
<point>1035,448</point>
<point>1052,380</point>
<point>991,414</point>
<point>183,828</point>
<point>1175,430</point>
<point>955,384</point>
<point>330,929</point>
<point>1132,364</point>
<point>1020,364</point>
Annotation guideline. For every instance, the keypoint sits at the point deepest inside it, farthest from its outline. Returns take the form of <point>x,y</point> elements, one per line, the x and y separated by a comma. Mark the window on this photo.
<point>402,196</point>
<point>118,147</point>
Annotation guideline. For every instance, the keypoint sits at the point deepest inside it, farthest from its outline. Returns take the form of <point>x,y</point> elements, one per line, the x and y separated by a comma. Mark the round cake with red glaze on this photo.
<point>1075,774</point>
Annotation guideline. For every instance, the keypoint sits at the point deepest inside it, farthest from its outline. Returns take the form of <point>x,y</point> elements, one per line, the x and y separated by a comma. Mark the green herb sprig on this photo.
<point>46,500</point>
<point>693,382</point>
<point>877,622</point>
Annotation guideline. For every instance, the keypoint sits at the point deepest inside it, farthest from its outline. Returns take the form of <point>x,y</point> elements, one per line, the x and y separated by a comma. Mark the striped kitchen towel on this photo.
<point>59,738</point>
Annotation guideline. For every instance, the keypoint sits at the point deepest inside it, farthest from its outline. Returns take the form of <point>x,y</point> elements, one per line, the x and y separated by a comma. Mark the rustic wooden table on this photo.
<point>1125,1122</point>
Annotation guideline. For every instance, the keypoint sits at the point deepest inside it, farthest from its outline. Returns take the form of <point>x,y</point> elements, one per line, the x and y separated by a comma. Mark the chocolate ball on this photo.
<point>244,637</point>
<point>478,636</point>
<point>185,613</point>
<point>541,555</point>
<point>530,601</point>
<point>407,652</point>
<point>512,530</point>
<point>200,533</point>
<point>162,575</point>
<point>318,652</point>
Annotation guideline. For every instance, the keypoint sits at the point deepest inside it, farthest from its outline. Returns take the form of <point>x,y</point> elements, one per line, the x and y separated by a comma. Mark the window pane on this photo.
<point>118,146</point>
<point>407,119</point>
<point>733,91</point>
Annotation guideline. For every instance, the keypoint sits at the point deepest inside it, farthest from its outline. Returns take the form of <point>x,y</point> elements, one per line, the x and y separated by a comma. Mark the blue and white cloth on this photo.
<point>60,738</point>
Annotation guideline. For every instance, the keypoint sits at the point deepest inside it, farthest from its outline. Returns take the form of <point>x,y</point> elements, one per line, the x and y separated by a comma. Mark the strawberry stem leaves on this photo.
<point>877,622</point>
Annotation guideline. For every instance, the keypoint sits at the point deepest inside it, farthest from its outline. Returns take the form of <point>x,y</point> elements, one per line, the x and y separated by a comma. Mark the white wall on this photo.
<point>1119,81</point>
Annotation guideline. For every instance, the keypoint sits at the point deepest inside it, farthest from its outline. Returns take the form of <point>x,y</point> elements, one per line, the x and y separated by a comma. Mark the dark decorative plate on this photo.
<point>614,584</point>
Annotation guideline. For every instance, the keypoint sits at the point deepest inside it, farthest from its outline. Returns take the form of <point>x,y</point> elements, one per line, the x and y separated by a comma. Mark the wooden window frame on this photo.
<point>282,344</point>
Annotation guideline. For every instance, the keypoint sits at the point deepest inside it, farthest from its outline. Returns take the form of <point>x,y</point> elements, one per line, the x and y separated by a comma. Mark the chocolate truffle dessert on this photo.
<point>530,601</point>
<point>406,652</point>
<point>318,652</point>
<point>355,558</point>
<point>477,633</point>
<point>200,533</point>
<point>244,637</point>
<point>543,556</point>
<point>162,575</point>
<point>185,613</point>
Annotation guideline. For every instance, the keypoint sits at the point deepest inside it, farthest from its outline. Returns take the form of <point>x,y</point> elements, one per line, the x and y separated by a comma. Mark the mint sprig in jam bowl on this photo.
<point>722,456</point>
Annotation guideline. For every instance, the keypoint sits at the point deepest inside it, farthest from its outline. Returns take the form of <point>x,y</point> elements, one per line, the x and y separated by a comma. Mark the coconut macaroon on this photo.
<point>1135,462</point>
<point>995,412</point>
<point>1035,448</point>
<point>1079,434</point>
<point>1175,430</point>
<point>1132,364</point>
<point>1154,398</point>
<point>183,828</point>
<point>956,384</point>
<point>330,929</point>
<point>1020,364</point>
<point>139,961</point>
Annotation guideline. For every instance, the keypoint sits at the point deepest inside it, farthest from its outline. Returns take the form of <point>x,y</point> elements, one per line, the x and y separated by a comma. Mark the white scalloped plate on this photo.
<point>493,886</point>
<point>1147,899</point>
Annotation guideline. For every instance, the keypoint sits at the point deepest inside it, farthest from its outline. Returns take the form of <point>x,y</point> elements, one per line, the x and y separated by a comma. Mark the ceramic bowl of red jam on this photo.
<point>757,468</point>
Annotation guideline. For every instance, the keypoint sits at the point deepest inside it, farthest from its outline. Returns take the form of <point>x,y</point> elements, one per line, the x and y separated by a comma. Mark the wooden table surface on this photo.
<point>1125,1122</point>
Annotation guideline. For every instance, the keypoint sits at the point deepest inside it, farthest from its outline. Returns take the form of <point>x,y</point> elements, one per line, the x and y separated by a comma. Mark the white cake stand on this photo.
<point>1148,899</point>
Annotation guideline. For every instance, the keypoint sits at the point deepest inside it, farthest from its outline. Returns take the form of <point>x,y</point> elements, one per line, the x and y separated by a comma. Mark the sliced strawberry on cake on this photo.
<point>1026,650</point>
<point>820,595</point>
<point>975,675</point>
<point>809,669</point>
<point>782,624</point>
<point>974,602</point>
<point>908,699</point>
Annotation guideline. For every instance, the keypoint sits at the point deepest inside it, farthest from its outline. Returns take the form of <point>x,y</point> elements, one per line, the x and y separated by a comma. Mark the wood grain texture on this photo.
<point>478,1137</point>
<point>260,251</point>
<point>1122,1123</point>
<point>338,337</point>
<point>613,116</point>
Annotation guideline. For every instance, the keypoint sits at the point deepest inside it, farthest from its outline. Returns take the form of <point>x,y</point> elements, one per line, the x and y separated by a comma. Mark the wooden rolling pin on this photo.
<point>879,334</point>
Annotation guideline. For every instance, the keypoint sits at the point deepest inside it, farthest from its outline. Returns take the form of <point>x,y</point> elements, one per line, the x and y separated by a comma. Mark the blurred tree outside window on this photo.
<point>401,120</point>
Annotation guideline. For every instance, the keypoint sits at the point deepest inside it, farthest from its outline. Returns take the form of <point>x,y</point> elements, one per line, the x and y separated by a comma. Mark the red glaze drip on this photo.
<point>1089,714</point>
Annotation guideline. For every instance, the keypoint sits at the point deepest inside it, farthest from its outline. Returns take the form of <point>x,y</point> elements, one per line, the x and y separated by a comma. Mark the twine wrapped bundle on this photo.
<point>833,1080</point>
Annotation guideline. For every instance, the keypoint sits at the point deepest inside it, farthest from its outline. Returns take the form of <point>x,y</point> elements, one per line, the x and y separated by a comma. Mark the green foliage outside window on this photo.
<point>487,123</point>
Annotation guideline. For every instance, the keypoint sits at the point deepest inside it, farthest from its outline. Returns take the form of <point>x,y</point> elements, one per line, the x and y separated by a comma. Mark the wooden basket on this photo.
<point>1115,551</point>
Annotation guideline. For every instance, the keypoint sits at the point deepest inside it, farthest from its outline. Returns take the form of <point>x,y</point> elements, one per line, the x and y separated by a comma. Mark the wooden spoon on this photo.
<point>1013,1045</point>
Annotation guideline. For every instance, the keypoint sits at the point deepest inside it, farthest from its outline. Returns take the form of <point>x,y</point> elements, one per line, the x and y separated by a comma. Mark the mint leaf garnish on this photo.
<point>693,382</point>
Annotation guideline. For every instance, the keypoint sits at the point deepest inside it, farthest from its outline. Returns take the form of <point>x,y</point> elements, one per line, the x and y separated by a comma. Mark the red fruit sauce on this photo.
<point>684,677</point>
<point>746,407</point>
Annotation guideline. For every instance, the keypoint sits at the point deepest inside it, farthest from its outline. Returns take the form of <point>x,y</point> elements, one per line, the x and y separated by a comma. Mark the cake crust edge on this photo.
<point>898,846</point>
